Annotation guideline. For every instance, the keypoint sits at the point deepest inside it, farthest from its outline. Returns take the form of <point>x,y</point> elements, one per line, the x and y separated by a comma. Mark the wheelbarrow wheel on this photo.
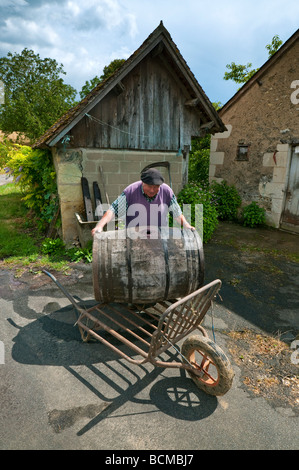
<point>214,373</point>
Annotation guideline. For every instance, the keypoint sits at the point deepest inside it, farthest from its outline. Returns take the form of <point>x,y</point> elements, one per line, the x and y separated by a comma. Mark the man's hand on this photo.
<point>188,226</point>
<point>183,222</point>
<point>96,230</point>
<point>107,217</point>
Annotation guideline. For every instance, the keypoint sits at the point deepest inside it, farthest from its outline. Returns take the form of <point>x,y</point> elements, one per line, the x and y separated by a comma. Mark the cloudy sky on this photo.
<point>85,35</point>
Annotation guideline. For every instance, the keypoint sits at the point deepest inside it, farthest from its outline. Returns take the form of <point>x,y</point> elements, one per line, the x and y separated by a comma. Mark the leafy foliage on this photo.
<point>56,249</point>
<point>80,254</point>
<point>111,68</point>
<point>239,73</point>
<point>35,94</point>
<point>53,247</point>
<point>34,172</point>
<point>274,46</point>
<point>226,199</point>
<point>88,86</point>
<point>199,160</point>
<point>242,73</point>
<point>195,194</point>
<point>199,156</point>
<point>5,148</point>
<point>107,71</point>
<point>18,234</point>
<point>253,215</point>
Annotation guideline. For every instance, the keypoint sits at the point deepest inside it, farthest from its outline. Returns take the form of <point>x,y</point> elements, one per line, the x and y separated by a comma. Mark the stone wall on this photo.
<point>264,118</point>
<point>120,168</point>
<point>272,188</point>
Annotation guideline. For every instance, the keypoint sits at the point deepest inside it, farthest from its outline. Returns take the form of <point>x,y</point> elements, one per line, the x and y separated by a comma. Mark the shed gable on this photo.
<point>148,111</point>
<point>137,95</point>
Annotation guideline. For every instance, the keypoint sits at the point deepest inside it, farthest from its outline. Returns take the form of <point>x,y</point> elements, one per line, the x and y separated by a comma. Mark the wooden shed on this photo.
<point>146,112</point>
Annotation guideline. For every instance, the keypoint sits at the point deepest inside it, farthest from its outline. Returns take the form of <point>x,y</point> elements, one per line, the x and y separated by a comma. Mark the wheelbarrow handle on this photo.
<point>65,292</point>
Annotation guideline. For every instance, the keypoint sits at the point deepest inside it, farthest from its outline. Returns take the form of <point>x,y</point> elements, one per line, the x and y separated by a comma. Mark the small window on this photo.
<point>243,153</point>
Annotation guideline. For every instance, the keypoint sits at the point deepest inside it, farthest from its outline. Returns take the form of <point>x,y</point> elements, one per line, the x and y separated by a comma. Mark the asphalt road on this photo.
<point>59,393</point>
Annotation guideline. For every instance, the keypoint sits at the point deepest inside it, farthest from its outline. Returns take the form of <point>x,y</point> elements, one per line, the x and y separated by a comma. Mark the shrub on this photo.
<point>199,160</point>
<point>34,172</point>
<point>56,249</point>
<point>81,254</point>
<point>253,215</point>
<point>227,200</point>
<point>5,148</point>
<point>194,194</point>
<point>53,247</point>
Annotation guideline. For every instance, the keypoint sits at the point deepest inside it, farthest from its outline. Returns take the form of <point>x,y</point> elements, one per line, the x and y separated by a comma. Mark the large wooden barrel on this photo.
<point>148,265</point>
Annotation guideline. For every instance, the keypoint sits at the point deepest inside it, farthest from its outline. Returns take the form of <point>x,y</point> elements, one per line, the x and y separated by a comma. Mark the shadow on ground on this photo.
<point>259,269</point>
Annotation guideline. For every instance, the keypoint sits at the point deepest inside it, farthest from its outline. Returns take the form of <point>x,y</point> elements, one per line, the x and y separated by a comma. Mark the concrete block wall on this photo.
<point>120,168</point>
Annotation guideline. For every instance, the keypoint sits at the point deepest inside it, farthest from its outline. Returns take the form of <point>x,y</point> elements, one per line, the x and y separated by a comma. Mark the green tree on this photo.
<point>107,71</point>
<point>239,73</point>
<point>33,170</point>
<point>274,46</point>
<point>242,73</point>
<point>35,94</point>
<point>88,86</point>
<point>199,157</point>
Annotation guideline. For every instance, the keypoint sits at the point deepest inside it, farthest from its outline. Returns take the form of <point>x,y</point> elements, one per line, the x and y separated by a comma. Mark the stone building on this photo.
<point>259,152</point>
<point>145,113</point>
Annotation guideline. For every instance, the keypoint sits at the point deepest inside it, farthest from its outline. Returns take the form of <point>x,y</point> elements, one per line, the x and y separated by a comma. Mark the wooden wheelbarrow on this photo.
<point>158,327</point>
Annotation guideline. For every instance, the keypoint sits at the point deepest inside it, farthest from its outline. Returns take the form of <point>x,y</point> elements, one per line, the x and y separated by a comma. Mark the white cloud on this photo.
<point>73,8</point>
<point>13,3</point>
<point>86,35</point>
<point>16,29</point>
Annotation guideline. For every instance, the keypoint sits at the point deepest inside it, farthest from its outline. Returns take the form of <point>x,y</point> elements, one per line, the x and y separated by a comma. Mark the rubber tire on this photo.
<point>220,361</point>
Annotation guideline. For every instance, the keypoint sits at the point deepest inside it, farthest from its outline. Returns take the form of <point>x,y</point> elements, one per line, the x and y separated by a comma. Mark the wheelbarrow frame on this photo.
<point>174,321</point>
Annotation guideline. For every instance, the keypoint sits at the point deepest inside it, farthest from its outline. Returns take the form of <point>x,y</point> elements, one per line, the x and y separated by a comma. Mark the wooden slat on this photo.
<point>87,199</point>
<point>98,211</point>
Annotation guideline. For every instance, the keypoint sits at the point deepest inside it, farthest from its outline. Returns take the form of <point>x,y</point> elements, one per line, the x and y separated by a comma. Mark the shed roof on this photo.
<point>256,78</point>
<point>161,41</point>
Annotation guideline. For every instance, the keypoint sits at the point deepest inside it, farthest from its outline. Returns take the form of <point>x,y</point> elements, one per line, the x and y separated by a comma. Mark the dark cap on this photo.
<point>152,176</point>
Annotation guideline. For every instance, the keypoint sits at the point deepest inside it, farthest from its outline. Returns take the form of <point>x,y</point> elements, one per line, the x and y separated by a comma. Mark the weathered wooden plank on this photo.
<point>151,112</point>
<point>148,93</point>
<point>87,199</point>
<point>192,103</point>
<point>119,88</point>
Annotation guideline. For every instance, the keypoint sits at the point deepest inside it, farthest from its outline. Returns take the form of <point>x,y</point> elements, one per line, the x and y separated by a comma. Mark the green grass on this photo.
<point>16,228</point>
<point>20,241</point>
<point>22,246</point>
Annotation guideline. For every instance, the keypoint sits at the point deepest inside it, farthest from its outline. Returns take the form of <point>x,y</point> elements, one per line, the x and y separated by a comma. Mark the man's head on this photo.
<point>152,180</point>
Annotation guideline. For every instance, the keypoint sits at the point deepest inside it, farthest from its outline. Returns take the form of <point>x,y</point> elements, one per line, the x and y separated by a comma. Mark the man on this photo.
<point>150,198</point>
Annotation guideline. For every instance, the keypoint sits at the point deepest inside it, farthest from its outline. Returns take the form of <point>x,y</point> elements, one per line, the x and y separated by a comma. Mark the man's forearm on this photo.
<point>107,217</point>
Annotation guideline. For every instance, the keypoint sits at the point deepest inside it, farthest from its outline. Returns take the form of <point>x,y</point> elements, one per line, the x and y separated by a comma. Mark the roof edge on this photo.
<point>262,70</point>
